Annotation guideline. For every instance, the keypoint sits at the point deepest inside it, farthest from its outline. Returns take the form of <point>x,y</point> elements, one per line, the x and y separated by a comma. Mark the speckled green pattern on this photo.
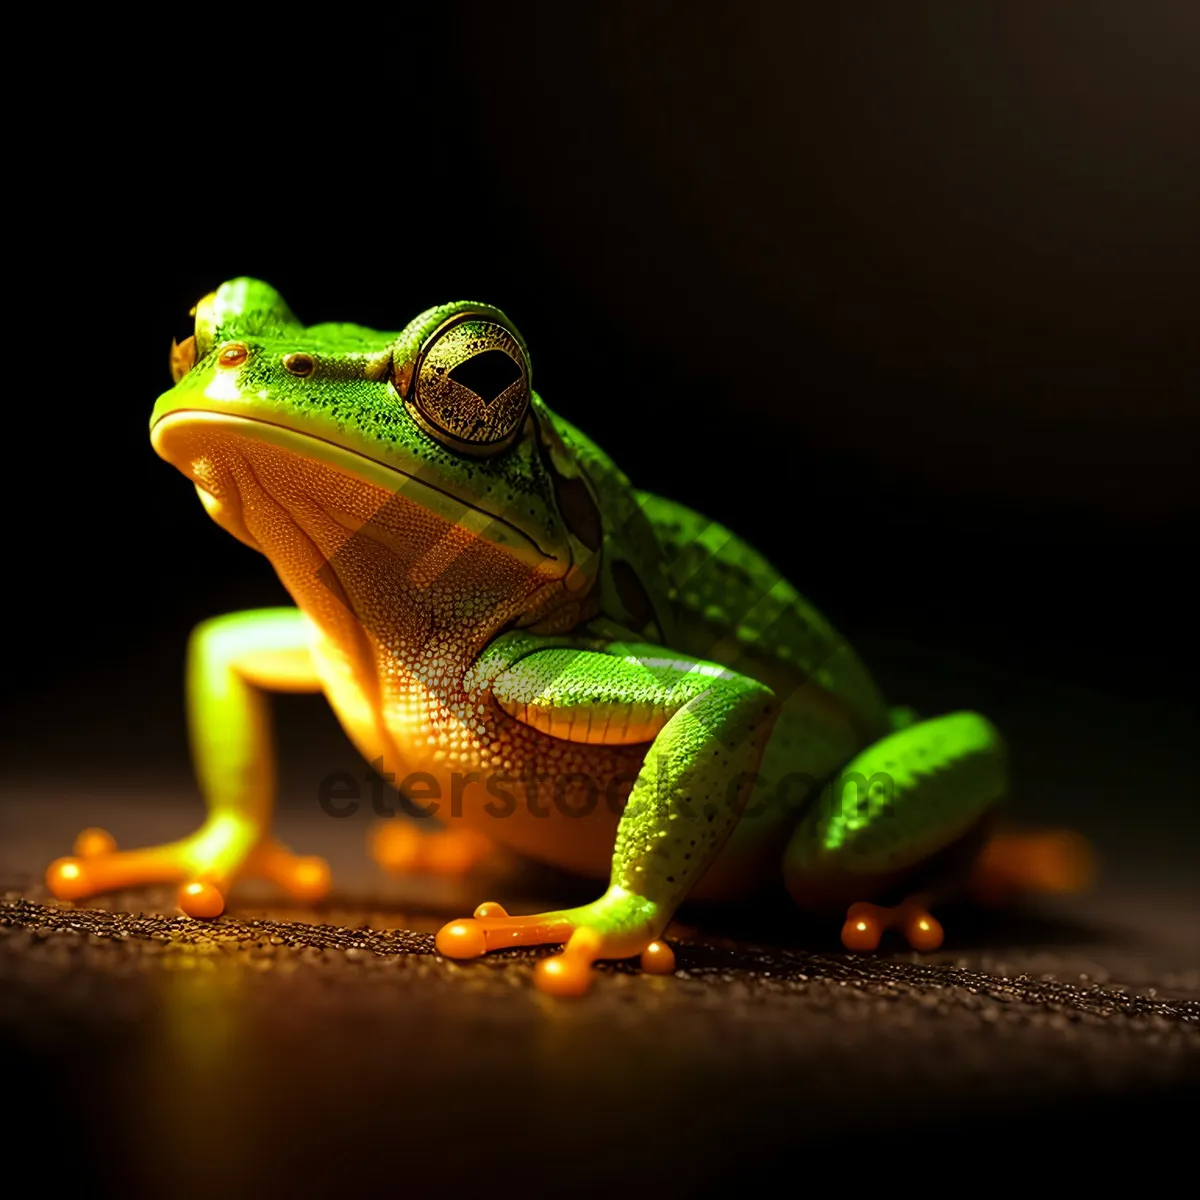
<point>902,798</point>
<point>349,400</point>
<point>533,612</point>
<point>736,607</point>
<point>690,790</point>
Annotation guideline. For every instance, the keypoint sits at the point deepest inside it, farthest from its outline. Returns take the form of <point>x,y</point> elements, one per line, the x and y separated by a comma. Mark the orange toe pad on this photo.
<point>97,866</point>
<point>865,924</point>
<point>491,928</point>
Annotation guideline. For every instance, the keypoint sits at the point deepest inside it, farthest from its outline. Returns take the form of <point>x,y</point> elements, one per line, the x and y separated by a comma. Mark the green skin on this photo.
<point>584,626</point>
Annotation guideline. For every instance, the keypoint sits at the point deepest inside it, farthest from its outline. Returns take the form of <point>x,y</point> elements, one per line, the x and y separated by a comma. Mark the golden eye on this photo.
<point>183,357</point>
<point>233,354</point>
<point>469,387</point>
<point>299,364</point>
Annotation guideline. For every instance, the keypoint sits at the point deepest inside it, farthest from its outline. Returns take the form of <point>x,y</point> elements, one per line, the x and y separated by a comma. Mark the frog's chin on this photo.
<point>214,449</point>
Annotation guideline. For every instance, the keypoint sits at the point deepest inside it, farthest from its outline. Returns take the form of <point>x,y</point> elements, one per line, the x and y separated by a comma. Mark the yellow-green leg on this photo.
<point>709,726</point>
<point>233,663</point>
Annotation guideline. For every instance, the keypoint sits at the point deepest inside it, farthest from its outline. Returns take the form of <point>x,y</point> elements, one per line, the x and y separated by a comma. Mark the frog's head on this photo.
<point>432,437</point>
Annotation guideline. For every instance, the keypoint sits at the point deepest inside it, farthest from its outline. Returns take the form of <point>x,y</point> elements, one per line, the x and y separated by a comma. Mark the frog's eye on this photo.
<point>469,386</point>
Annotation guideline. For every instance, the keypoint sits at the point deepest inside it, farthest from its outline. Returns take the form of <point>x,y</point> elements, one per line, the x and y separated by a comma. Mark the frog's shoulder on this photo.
<point>732,606</point>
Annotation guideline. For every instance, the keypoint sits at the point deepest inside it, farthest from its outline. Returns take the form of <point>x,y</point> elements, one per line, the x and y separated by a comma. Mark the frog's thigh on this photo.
<point>894,806</point>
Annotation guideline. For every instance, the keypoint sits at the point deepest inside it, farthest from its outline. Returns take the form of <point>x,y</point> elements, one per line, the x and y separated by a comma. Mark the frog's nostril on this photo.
<point>299,364</point>
<point>233,354</point>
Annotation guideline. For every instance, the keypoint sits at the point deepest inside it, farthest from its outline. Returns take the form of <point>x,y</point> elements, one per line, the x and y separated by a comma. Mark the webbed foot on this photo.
<point>205,865</point>
<point>599,931</point>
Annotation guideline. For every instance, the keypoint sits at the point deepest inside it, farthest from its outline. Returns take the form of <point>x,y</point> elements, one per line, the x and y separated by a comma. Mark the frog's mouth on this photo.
<point>231,457</point>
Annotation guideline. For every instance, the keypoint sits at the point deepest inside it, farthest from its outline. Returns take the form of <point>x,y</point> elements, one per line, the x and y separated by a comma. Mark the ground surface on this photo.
<point>281,1051</point>
<point>286,1048</point>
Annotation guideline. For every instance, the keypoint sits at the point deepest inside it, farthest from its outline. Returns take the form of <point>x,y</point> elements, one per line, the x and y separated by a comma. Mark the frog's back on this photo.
<point>730,605</point>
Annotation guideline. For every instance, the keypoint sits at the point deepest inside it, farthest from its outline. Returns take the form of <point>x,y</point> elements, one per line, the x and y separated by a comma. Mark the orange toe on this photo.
<point>865,925</point>
<point>658,959</point>
<point>862,931</point>
<point>500,931</point>
<point>570,973</point>
<point>201,900</point>
<point>924,932</point>
<point>304,877</point>
<point>66,879</point>
<point>92,843</point>
<point>309,878</point>
<point>461,939</point>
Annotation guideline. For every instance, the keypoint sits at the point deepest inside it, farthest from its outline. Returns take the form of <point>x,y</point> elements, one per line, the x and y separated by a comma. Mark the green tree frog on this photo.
<point>582,672</point>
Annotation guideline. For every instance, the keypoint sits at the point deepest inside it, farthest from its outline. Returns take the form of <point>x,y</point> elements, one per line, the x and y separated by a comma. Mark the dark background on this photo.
<point>905,294</point>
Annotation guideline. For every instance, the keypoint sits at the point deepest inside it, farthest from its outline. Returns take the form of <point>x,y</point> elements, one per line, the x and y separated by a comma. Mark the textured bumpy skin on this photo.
<point>589,674</point>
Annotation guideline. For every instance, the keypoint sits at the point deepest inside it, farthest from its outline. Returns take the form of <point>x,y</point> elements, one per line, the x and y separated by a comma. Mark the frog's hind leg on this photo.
<point>233,662</point>
<point>913,801</point>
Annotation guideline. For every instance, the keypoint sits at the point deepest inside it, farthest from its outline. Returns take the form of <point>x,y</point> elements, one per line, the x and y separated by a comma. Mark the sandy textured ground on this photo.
<point>279,1047</point>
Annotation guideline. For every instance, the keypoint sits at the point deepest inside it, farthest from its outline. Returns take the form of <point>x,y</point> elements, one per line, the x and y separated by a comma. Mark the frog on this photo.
<point>551,660</point>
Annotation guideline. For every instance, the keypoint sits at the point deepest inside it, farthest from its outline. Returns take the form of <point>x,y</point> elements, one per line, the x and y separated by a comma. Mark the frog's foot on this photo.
<point>597,931</point>
<point>401,848</point>
<point>204,865</point>
<point>304,877</point>
<point>865,924</point>
<point>1010,864</point>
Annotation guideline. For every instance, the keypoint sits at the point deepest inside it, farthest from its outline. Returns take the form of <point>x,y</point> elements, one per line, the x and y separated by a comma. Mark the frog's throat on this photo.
<point>180,438</point>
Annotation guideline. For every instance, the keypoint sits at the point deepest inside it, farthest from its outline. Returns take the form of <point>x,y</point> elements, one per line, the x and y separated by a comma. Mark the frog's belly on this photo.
<point>552,800</point>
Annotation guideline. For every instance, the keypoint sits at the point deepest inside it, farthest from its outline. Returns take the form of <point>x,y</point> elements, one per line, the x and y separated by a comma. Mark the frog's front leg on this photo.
<point>708,727</point>
<point>233,662</point>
